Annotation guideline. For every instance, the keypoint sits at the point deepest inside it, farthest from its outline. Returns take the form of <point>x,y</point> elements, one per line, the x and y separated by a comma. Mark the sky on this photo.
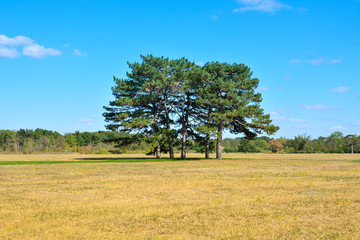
<point>58,58</point>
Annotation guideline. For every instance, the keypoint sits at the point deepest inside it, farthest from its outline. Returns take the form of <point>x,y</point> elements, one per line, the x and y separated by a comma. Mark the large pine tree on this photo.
<point>137,106</point>
<point>232,102</point>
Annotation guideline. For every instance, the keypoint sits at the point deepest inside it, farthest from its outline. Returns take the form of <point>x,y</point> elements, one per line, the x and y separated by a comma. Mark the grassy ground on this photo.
<point>245,196</point>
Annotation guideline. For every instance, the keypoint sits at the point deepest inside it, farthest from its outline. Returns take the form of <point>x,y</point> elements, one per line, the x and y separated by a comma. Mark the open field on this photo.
<point>244,196</point>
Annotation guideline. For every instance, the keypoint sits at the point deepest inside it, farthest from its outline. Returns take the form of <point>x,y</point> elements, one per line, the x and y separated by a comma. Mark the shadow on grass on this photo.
<point>97,160</point>
<point>140,159</point>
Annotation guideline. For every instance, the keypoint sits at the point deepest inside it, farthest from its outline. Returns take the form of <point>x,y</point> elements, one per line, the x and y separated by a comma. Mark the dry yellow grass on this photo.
<point>246,196</point>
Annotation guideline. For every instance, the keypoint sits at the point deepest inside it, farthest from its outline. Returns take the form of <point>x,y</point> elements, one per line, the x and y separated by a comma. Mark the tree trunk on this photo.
<point>183,144</point>
<point>171,147</point>
<point>158,151</point>
<point>207,146</point>
<point>352,148</point>
<point>171,144</point>
<point>207,141</point>
<point>219,140</point>
<point>156,130</point>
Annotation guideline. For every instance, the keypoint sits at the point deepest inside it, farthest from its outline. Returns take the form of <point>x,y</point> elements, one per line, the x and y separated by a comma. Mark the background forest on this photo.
<point>104,142</point>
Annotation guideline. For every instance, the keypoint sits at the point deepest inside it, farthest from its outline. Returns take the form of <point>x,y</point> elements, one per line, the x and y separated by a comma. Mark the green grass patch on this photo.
<point>95,160</point>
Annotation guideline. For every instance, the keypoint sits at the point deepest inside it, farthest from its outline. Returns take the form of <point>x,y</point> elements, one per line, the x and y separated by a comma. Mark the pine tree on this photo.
<point>182,100</point>
<point>229,94</point>
<point>137,105</point>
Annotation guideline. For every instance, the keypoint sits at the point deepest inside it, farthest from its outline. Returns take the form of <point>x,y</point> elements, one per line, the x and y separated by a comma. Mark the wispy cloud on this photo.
<point>356,123</point>
<point>214,17</point>
<point>286,77</point>
<point>317,107</point>
<point>357,94</point>
<point>299,120</point>
<point>200,63</point>
<point>278,118</point>
<point>87,121</point>
<point>263,88</point>
<point>30,48</point>
<point>340,89</point>
<point>269,6</point>
<point>275,116</point>
<point>308,126</point>
<point>317,61</point>
<point>76,52</point>
<point>337,128</point>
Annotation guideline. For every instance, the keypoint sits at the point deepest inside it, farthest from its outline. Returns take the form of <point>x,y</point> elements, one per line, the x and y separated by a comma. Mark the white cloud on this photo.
<point>317,61</point>
<point>76,52</point>
<point>337,128</point>
<point>87,121</point>
<point>334,61</point>
<point>340,89</point>
<point>200,63</point>
<point>16,41</point>
<point>269,6</point>
<point>286,77</point>
<point>37,51</point>
<point>276,117</point>
<point>263,88</point>
<point>30,48</point>
<point>317,107</point>
<point>308,126</point>
<point>356,123</point>
<point>299,120</point>
<point>8,52</point>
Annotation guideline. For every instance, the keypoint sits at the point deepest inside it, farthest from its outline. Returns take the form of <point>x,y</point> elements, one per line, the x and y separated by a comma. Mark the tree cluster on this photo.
<point>164,101</point>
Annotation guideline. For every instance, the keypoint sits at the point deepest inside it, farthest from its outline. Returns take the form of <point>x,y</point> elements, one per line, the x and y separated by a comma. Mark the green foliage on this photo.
<point>30,141</point>
<point>160,94</point>
<point>104,142</point>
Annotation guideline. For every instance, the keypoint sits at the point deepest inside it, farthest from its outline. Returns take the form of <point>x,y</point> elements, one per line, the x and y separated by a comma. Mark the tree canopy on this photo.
<point>161,97</point>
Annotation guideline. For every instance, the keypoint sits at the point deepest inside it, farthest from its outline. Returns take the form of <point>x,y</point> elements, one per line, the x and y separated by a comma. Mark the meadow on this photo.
<point>243,196</point>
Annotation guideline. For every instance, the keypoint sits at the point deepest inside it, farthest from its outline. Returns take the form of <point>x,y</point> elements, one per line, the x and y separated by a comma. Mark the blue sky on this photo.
<point>57,58</point>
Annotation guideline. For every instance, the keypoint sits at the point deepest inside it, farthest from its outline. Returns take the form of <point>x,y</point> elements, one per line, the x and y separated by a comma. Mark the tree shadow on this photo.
<point>139,159</point>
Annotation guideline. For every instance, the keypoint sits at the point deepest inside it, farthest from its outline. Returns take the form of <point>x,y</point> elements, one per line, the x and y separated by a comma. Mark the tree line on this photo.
<point>164,99</point>
<point>41,140</point>
<point>103,142</point>
<point>336,142</point>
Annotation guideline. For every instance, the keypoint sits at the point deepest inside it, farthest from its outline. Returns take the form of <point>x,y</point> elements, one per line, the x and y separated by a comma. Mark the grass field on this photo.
<point>244,196</point>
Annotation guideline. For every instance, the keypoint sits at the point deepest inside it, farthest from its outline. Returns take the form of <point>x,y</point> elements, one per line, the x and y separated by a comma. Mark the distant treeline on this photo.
<point>335,143</point>
<point>42,141</point>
